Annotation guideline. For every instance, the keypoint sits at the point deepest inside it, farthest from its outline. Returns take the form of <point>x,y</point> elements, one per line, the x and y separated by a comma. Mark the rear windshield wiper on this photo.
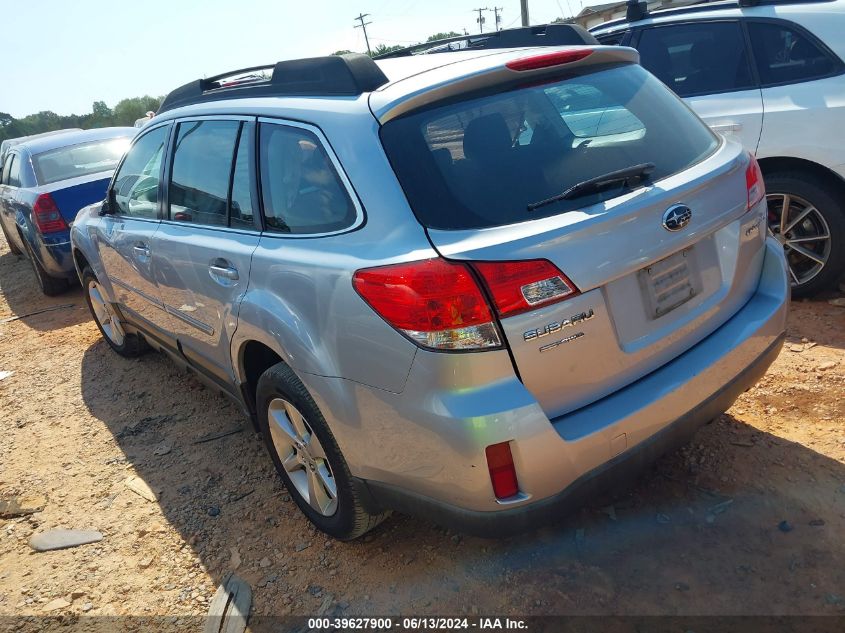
<point>623,177</point>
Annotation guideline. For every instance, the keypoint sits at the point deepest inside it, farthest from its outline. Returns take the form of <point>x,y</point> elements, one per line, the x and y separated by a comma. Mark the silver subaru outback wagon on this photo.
<point>475,286</point>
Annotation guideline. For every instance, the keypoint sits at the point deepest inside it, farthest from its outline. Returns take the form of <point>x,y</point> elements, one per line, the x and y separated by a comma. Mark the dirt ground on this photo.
<point>703,533</point>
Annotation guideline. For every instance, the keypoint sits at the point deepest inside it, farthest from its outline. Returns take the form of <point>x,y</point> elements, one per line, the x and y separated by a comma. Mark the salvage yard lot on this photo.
<point>748,519</point>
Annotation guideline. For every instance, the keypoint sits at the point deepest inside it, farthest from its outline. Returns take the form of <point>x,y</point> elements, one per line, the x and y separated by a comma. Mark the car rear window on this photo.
<point>74,161</point>
<point>482,162</point>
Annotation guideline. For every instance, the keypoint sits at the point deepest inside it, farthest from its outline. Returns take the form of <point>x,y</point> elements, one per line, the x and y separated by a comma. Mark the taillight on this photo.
<point>436,303</point>
<point>754,182</point>
<point>524,285</point>
<point>46,215</point>
<point>502,470</point>
<point>549,59</point>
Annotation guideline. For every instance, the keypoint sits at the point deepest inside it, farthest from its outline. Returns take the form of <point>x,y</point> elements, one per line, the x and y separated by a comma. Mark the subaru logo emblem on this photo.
<point>676,217</point>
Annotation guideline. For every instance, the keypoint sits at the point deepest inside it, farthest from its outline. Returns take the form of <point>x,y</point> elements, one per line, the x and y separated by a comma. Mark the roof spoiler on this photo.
<point>336,75</point>
<point>529,36</point>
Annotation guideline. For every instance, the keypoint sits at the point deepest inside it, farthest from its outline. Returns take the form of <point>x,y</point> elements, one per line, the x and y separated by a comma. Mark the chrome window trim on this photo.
<point>347,184</point>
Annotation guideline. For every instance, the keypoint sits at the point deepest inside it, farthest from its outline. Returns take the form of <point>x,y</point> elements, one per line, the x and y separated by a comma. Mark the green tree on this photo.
<point>442,36</point>
<point>343,52</point>
<point>127,111</point>
<point>383,49</point>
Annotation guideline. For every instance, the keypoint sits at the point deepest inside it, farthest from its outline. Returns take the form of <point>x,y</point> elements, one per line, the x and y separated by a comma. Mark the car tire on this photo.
<point>109,319</point>
<point>12,246</point>
<point>280,398</point>
<point>829,218</point>
<point>50,286</point>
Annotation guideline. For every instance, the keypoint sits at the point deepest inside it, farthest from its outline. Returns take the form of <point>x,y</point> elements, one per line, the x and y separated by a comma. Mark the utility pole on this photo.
<point>498,17</point>
<point>363,26</point>
<point>523,6</point>
<point>480,19</point>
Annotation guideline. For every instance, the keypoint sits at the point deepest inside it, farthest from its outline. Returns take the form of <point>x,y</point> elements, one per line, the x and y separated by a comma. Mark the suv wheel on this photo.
<point>307,457</point>
<point>50,286</point>
<point>810,224</point>
<point>108,319</point>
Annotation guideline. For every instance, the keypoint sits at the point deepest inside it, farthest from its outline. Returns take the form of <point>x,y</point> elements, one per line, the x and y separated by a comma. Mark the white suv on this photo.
<point>771,75</point>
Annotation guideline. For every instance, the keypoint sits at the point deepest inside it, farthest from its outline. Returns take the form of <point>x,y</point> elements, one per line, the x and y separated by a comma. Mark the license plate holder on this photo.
<point>670,282</point>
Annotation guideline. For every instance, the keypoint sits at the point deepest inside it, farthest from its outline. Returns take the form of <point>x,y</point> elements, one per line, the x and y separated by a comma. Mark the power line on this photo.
<point>480,19</point>
<point>363,26</point>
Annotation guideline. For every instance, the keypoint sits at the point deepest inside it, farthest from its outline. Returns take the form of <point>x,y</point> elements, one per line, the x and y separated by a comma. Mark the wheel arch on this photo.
<point>776,164</point>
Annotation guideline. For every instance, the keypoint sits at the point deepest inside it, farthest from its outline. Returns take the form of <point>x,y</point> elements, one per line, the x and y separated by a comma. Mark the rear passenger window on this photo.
<point>784,55</point>
<point>14,177</point>
<point>7,167</point>
<point>302,191</point>
<point>136,184</point>
<point>697,59</point>
<point>202,166</point>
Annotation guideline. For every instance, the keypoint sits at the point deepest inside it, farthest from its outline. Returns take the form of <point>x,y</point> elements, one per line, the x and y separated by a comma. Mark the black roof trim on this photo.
<point>528,36</point>
<point>347,75</point>
<point>706,5</point>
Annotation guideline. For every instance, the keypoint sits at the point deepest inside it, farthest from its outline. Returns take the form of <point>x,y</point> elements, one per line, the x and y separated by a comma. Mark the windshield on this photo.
<point>485,161</point>
<point>64,163</point>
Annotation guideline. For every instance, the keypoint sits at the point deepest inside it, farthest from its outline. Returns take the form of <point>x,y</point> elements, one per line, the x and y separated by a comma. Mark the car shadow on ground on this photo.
<point>737,522</point>
<point>20,289</point>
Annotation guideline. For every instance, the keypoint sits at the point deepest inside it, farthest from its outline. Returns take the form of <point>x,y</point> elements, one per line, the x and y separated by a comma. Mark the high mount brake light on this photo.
<point>46,215</point>
<point>547,60</point>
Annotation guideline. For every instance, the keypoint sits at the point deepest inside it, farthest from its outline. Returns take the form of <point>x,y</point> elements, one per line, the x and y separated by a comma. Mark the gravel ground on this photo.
<point>747,519</point>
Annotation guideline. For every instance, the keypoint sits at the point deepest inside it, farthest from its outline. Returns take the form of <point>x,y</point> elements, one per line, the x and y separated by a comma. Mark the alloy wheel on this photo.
<point>106,315</point>
<point>302,456</point>
<point>803,232</point>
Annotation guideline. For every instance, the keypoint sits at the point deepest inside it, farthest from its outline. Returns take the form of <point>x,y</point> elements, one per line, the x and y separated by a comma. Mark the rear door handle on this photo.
<point>726,127</point>
<point>223,270</point>
<point>142,250</point>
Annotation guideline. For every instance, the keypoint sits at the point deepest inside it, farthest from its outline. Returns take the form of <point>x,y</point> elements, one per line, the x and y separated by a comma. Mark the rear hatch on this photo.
<point>657,257</point>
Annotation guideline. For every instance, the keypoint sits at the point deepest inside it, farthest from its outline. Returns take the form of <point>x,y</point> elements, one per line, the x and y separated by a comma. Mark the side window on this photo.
<point>7,167</point>
<point>136,184</point>
<point>13,178</point>
<point>241,213</point>
<point>612,39</point>
<point>302,192</point>
<point>697,58</point>
<point>202,167</point>
<point>784,55</point>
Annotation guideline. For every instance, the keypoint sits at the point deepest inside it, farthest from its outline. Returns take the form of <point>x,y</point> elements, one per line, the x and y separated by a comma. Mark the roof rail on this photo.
<point>336,75</point>
<point>702,6</point>
<point>541,35</point>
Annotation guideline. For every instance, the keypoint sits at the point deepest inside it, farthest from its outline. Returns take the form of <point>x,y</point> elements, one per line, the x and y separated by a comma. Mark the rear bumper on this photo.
<point>55,256</point>
<point>619,470</point>
<point>563,461</point>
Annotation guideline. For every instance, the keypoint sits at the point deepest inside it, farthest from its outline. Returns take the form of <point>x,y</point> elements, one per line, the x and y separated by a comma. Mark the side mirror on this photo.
<point>107,208</point>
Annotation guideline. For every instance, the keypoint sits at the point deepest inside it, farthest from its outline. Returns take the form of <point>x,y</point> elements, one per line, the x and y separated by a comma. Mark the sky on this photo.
<point>62,56</point>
